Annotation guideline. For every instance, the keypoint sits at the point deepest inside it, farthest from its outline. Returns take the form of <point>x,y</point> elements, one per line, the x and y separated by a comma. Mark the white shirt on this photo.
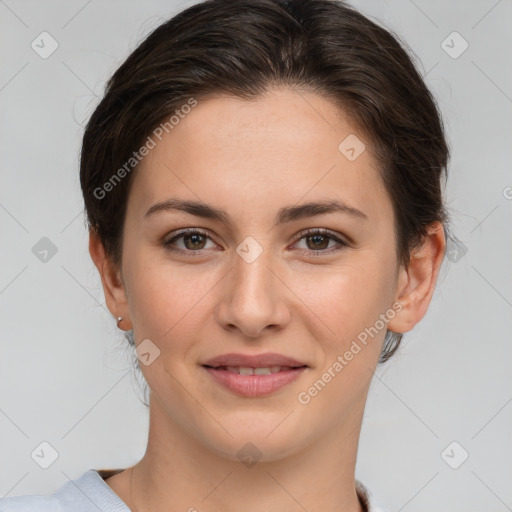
<point>90,493</point>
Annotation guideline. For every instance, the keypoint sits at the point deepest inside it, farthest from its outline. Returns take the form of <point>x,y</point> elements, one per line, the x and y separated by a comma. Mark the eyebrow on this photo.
<point>284,215</point>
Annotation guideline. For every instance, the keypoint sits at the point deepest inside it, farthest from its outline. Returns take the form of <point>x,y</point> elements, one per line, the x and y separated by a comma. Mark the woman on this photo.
<point>262,183</point>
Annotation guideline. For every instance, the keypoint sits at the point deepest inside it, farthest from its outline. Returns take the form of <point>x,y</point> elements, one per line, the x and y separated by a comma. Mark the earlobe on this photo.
<point>416,283</point>
<point>113,286</point>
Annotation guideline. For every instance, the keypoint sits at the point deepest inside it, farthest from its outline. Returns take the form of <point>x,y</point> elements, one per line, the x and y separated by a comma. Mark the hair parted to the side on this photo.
<point>244,48</point>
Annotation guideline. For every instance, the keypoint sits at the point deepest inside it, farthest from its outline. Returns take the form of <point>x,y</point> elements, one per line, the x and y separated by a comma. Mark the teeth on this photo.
<point>261,371</point>
<point>243,370</point>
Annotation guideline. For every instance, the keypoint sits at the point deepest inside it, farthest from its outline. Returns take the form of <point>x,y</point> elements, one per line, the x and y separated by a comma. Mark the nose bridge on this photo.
<point>253,282</point>
<point>254,299</point>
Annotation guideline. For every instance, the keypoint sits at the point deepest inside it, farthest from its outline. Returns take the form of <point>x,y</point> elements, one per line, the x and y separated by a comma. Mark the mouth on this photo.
<point>256,379</point>
<point>248,370</point>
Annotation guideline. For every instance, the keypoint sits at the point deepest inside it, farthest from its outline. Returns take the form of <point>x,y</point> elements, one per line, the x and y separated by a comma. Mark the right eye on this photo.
<point>193,240</point>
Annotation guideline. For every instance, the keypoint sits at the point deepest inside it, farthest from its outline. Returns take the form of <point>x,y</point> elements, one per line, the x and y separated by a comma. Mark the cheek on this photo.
<point>166,298</point>
<point>346,299</point>
<point>349,302</point>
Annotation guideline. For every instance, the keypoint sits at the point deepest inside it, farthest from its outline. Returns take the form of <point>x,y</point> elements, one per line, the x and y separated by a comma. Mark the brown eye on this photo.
<point>193,241</point>
<point>317,242</point>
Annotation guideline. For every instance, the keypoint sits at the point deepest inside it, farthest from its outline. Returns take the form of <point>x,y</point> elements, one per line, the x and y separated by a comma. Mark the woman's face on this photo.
<point>252,281</point>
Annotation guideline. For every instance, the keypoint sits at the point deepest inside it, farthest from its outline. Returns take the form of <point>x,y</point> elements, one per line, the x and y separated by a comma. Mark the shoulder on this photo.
<point>29,504</point>
<point>85,494</point>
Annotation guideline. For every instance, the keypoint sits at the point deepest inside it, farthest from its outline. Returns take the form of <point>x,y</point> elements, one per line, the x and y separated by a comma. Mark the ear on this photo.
<point>111,279</point>
<point>417,282</point>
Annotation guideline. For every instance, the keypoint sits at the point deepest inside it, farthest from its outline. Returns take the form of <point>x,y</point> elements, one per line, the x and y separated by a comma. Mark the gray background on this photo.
<point>65,374</point>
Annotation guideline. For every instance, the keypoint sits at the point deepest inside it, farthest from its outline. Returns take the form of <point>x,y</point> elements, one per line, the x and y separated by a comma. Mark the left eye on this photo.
<point>319,238</point>
<point>194,241</point>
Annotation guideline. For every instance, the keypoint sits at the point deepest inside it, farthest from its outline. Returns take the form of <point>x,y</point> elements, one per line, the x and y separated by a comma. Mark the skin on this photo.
<point>251,158</point>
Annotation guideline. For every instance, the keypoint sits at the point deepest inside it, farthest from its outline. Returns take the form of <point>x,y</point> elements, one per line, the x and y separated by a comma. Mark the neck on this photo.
<point>179,470</point>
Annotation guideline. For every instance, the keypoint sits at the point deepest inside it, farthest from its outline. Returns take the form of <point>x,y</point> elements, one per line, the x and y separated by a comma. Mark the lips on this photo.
<point>254,375</point>
<point>254,385</point>
<point>267,360</point>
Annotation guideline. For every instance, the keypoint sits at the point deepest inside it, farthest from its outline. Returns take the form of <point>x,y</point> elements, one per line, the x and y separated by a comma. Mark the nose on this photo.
<point>254,298</point>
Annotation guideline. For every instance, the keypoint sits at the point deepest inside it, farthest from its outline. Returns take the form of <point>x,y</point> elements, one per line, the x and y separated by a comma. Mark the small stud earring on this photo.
<point>119,320</point>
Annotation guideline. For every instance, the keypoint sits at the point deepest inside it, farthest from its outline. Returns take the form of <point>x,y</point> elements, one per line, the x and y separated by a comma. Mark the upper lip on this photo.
<point>253,361</point>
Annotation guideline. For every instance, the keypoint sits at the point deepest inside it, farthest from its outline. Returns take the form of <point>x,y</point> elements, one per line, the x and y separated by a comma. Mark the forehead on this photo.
<point>283,147</point>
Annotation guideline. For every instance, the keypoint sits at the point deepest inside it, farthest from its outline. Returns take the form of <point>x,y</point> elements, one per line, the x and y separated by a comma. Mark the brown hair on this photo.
<point>244,47</point>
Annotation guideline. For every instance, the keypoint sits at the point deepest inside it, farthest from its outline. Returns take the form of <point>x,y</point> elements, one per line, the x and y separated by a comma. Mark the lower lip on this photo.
<point>255,385</point>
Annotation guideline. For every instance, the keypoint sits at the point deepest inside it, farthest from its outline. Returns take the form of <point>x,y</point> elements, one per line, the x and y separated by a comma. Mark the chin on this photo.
<point>256,440</point>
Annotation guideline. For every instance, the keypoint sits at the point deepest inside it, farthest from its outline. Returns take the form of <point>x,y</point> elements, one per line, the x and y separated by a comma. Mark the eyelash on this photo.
<point>304,234</point>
